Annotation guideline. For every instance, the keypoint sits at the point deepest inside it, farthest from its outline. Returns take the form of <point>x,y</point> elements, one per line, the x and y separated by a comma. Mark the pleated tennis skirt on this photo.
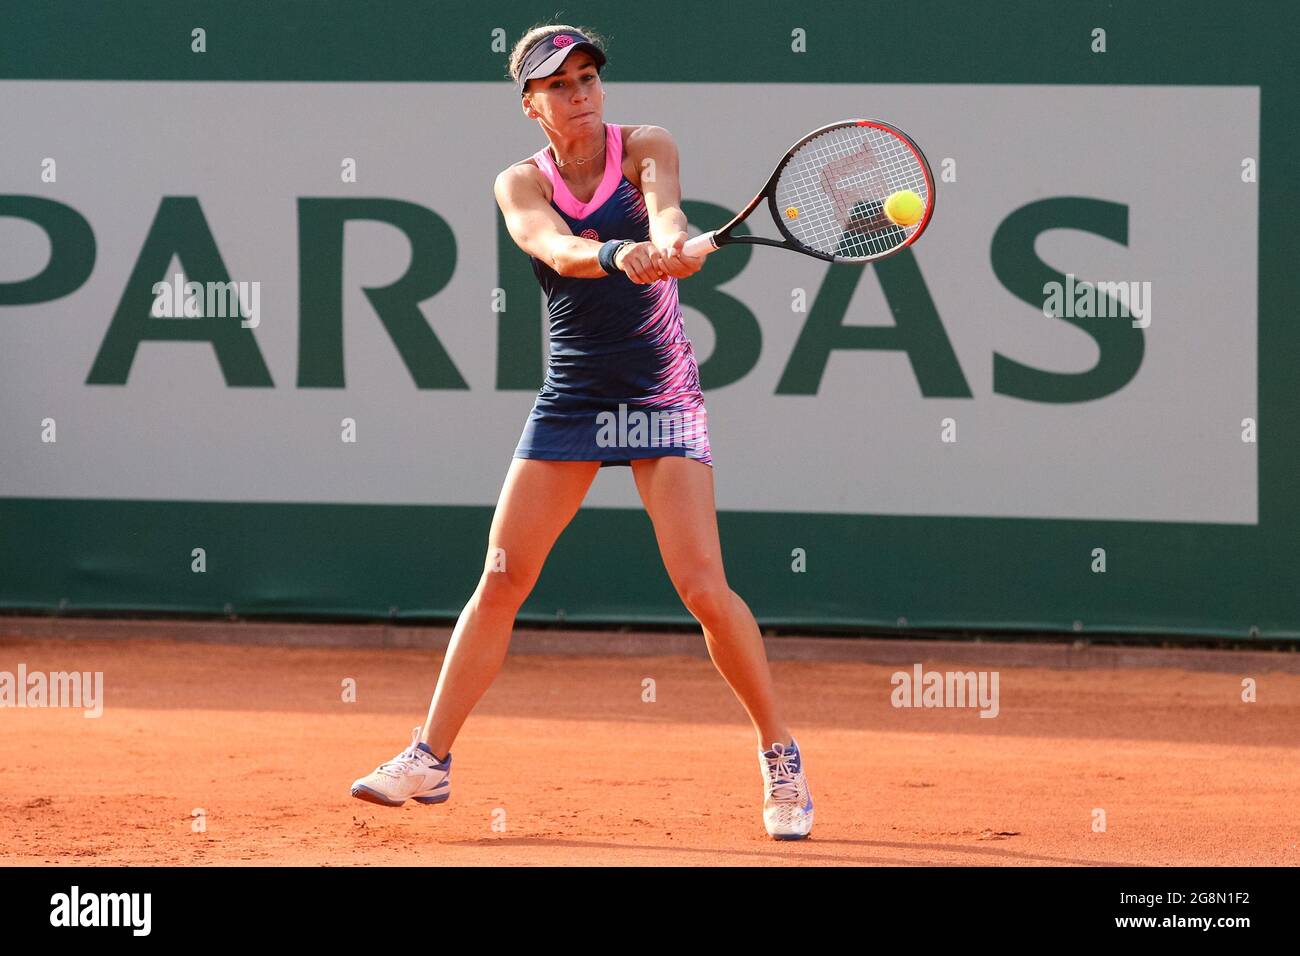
<point>617,407</point>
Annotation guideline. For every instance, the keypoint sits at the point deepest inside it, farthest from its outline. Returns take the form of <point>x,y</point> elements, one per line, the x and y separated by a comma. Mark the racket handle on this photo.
<point>701,245</point>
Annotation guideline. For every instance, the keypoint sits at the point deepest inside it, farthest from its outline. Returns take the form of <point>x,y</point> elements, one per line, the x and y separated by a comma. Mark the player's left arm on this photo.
<point>655,154</point>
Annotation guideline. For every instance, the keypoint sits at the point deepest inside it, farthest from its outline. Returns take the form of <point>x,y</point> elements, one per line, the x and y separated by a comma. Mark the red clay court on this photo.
<point>573,768</point>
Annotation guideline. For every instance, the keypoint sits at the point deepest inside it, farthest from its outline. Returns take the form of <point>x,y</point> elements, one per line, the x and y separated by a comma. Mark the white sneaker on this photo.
<point>414,774</point>
<point>787,801</point>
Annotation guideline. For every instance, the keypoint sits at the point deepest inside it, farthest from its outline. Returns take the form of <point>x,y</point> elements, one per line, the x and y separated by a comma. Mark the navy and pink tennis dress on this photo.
<point>622,380</point>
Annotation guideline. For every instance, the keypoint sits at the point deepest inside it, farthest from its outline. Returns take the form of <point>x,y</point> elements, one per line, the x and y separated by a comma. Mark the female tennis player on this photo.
<point>605,238</point>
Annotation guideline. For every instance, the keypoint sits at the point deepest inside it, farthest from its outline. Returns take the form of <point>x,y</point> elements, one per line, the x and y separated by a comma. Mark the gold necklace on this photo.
<point>578,161</point>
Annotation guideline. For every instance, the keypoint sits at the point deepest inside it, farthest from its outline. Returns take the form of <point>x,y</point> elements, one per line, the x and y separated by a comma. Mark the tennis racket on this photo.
<point>827,196</point>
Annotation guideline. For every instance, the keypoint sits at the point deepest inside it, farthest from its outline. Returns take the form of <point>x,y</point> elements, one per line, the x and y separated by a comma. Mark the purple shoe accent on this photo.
<point>374,796</point>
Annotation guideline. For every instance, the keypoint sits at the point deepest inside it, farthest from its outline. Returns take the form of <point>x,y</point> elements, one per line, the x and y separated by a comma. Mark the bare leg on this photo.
<point>537,502</point>
<point>678,495</point>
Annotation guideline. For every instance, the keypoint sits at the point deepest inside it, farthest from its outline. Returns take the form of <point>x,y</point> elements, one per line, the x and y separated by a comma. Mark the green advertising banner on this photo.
<point>1069,407</point>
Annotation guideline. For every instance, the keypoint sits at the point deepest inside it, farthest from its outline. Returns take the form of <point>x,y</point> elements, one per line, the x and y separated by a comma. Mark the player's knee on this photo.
<point>503,588</point>
<point>707,600</point>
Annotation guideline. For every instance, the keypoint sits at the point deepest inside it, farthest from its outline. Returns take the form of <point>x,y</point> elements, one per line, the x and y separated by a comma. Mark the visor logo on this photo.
<point>562,40</point>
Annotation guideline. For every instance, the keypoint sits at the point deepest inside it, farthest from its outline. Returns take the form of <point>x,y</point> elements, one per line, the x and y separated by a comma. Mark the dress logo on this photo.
<point>590,234</point>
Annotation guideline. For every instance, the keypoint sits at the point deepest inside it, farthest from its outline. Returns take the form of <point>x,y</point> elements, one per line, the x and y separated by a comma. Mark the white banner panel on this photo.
<point>1165,447</point>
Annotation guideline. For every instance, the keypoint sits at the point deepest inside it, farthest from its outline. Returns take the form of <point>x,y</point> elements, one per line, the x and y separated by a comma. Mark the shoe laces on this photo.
<point>782,773</point>
<point>405,762</point>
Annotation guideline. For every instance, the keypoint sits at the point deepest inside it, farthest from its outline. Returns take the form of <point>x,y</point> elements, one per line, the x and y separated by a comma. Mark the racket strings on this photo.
<point>836,185</point>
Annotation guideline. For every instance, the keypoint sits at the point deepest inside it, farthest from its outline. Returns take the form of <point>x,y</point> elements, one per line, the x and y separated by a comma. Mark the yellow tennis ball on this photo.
<point>791,212</point>
<point>904,208</point>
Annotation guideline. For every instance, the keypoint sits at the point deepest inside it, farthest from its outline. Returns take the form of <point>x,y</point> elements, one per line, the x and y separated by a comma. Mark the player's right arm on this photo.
<point>538,230</point>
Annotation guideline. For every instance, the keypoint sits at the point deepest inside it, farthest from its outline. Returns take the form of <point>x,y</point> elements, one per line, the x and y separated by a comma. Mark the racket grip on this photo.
<point>701,245</point>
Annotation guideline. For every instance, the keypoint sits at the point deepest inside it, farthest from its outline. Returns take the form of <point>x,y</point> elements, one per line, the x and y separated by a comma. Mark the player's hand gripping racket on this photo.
<point>853,191</point>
